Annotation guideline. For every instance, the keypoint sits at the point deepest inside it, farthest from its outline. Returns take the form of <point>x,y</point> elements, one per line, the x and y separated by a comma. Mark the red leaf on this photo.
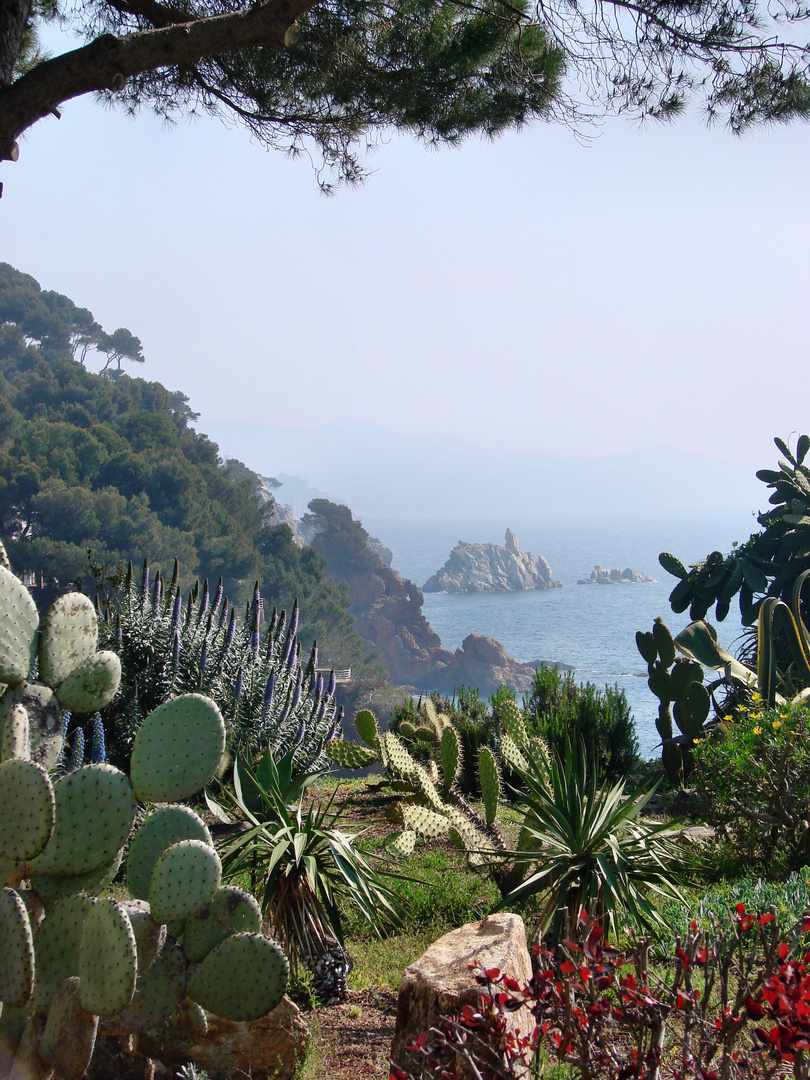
<point>784,949</point>
<point>740,909</point>
<point>493,974</point>
<point>584,973</point>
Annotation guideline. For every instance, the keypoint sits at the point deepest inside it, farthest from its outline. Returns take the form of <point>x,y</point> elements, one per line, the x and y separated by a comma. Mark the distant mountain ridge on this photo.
<point>380,472</point>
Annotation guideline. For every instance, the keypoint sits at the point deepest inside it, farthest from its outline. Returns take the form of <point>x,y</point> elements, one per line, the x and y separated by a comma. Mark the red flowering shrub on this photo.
<point>730,1005</point>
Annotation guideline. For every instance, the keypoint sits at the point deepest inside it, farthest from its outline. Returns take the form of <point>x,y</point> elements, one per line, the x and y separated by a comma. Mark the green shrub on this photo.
<point>563,711</point>
<point>791,899</point>
<point>754,774</point>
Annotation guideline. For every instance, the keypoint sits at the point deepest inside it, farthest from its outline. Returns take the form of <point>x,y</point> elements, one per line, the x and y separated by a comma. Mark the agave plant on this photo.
<point>255,674</point>
<point>303,865</point>
<point>586,848</point>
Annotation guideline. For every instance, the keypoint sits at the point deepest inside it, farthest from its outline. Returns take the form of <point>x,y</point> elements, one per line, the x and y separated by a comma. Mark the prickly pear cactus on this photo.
<point>68,957</point>
<point>677,682</point>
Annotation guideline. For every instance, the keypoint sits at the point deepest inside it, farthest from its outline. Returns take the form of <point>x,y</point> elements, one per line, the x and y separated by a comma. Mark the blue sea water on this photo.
<point>589,627</point>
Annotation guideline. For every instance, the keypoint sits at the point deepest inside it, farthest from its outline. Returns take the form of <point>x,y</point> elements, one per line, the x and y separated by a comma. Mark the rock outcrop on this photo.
<point>479,568</point>
<point>600,575</point>
<point>484,663</point>
<point>440,983</point>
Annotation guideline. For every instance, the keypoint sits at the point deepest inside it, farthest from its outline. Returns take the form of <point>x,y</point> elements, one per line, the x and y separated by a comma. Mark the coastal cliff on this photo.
<point>484,568</point>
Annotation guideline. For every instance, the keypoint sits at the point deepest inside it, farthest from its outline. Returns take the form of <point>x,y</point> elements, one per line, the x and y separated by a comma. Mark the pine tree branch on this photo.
<point>107,62</point>
<point>156,14</point>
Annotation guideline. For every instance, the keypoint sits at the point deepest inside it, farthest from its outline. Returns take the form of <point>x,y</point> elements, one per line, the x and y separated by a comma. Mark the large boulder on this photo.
<point>484,663</point>
<point>271,1046</point>
<point>441,982</point>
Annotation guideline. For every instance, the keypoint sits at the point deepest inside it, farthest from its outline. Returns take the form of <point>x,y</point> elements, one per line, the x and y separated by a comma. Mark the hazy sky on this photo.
<point>647,290</point>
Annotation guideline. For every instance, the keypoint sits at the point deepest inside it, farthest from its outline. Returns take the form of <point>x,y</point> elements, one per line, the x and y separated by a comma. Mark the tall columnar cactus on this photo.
<point>70,956</point>
<point>432,805</point>
<point>677,682</point>
<point>254,670</point>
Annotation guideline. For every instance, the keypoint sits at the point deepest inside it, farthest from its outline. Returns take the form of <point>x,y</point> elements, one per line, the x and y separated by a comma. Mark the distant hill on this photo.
<point>111,464</point>
<point>379,472</point>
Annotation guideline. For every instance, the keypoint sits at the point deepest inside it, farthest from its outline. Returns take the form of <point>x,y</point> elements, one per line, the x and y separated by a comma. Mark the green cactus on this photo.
<point>19,622</point>
<point>450,748</point>
<point>92,685</point>
<point>241,961</point>
<point>108,959</point>
<point>231,911</point>
<point>157,771</point>
<point>165,826</point>
<point>490,778</point>
<point>93,957</point>
<point>677,682</point>
<point>184,880</point>
<point>366,725</point>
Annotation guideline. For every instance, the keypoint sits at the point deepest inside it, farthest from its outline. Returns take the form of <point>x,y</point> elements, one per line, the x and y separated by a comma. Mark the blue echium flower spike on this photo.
<point>77,752</point>
<point>145,583</point>
<point>294,619</point>
<point>319,688</point>
<point>204,658</point>
<point>226,645</point>
<point>269,690</point>
<point>237,690</point>
<point>98,752</point>
<point>321,710</point>
<point>255,608</point>
<point>217,596</point>
<point>156,591</point>
<point>296,693</point>
<point>176,612</point>
<point>223,615</point>
<point>313,684</point>
<point>119,633</point>
<point>288,651</point>
<point>204,600</point>
<point>254,644</point>
<point>273,621</point>
<point>299,735</point>
<point>330,689</point>
<point>282,621</point>
<point>292,658</point>
<point>176,650</point>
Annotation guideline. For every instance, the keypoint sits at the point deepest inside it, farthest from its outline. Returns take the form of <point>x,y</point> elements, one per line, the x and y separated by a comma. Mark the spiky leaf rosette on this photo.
<point>16,949</point>
<point>69,1036</point>
<point>19,621</point>
<point>165,826</point>
<point>57,942</point>
<point>69,638</point>
<point>184,880</point>
<point>231,911</point>
<point>28,809</point>
<point>95,809</point>
<point>242,979</point>
<point>178,749</point>
<point>108,959</point>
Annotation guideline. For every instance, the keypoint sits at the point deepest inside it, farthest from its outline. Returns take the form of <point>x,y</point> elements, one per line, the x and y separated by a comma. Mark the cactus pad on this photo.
<point>69,1036</point>
<point>44,720</point>
<point>184,880</point>
<point>16,949</point>
<point>158,992</point>
<point>166,826</point>
<point>15,738</point>
<point>108,961</point>
<point>56,944</point>
<point>27,818</point>
<point>188,1022</point>
<point>95,808</point>
<point>69,638</point>
<point>232,911</point>
<point>243,978</point>
<point>178,749</point>
<point>51,887</point>
<point>150,936</point>
<point>451,756</point>
<point>513,724</point>
<point>92,685</point>
<point>400,761</point>
<point>490,780</point>
<point>421,820</point>
<point>366,725</point>
<point>349,755</point>
<point>402,844</point>
<point>18,629</point>
<point>512,755</point>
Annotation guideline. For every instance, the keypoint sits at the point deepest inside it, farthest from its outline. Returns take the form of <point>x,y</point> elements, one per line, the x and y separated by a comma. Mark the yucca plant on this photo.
<point>303,866</point>
<point>586,848</point>
<point>254,672</point>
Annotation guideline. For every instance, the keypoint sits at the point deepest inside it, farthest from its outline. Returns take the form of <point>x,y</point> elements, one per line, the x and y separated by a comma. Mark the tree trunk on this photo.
<point>13,17</point>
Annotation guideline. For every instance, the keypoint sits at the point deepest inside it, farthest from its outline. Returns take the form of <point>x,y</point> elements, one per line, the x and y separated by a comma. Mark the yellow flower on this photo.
<point>756,697</point>
<point>757,730</point>
<point>728,718</point>
<point>776,725</point>
<point>756,716</point>
<point>743,709</point>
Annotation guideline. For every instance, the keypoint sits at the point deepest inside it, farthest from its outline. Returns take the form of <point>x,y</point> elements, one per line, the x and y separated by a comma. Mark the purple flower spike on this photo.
<point>176,650</point>
<point>217,596</point>
<point>176,611</point>
<point>296,696</point>
<point>299,735</point>
<point>294,620</point>
<point>237,693</point>
<point>204,658</point>
<point>332,683</point>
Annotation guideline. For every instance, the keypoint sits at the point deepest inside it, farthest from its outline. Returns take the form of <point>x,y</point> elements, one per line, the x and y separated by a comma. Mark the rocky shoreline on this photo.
<point>600,575</point>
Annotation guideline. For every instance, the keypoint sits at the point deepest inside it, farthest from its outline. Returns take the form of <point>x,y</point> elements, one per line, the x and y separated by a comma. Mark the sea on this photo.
<point>592,628</point>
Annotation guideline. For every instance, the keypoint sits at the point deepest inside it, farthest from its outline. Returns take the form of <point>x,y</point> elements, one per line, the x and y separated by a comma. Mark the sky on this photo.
<point>647,290</point>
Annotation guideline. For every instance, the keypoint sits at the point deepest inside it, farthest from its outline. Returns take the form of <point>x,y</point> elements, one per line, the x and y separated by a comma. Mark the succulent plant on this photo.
<point>252,671</point>
<point>71,957</point>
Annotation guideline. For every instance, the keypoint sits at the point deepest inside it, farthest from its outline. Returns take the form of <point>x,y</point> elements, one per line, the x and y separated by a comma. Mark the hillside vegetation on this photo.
<point>111,464</point>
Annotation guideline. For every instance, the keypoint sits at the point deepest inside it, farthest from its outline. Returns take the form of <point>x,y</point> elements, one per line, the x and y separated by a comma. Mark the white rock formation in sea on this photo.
<point>600,575</point>
<point>478,568</point>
